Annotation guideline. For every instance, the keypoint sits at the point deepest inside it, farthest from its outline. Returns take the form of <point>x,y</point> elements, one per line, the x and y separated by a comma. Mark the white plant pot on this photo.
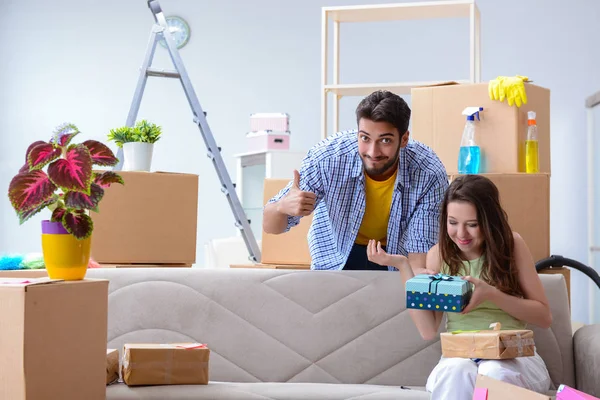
<point>138,156</point>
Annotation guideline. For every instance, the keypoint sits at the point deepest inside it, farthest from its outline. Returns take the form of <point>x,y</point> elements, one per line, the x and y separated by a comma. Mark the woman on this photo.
<point>477,243</point>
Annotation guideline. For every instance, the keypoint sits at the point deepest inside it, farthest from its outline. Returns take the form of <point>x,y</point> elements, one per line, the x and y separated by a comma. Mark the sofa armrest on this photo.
<point>586,346</point>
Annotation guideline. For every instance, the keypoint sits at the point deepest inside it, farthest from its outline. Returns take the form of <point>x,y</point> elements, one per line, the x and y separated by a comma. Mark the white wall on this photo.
<point>78,60</point>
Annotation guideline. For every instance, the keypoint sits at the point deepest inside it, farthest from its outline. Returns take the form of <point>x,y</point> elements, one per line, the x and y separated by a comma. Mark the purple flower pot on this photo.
<point>53,227</point>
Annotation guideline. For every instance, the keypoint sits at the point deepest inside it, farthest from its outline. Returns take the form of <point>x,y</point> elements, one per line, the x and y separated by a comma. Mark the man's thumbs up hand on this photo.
<point>296,183</point>
<point>297,202</point>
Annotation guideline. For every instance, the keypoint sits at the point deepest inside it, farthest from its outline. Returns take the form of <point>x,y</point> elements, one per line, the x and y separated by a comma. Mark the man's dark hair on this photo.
<point>385,106</point>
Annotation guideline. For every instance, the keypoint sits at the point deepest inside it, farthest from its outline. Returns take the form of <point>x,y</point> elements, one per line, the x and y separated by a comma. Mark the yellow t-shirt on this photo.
<point>378,196</point>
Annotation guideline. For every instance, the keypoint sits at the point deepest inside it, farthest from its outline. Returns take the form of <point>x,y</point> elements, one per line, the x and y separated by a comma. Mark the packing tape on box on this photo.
<point>518,343</point>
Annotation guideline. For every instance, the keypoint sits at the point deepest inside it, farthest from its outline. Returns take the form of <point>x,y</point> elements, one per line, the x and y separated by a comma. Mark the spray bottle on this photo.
<point>532,165</point>
<point>469,154</point>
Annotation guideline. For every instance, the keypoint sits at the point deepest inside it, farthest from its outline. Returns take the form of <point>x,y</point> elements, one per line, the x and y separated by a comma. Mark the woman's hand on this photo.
<point>481,293</point>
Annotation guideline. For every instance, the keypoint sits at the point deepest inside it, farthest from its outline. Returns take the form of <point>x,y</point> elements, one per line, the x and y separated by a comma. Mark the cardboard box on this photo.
<point>487,388</point>
<point>526,200</point>
<point>165,364</point>
<point>112,366</point>
<point>437,121</point>
<point>437,293</point>
<point>152,219</point>
<point>565,392</point>
<point>24,273</point>
<point>493,344</point>
<point>267,140</point>
<point>271,266</point>
<point>145,265</point>
<point>53,339</point>
<point>290,247</point>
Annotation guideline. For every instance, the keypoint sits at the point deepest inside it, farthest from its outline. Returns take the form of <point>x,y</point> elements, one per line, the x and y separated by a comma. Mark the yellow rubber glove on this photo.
<point>496,89</point>
<point>510,87</point>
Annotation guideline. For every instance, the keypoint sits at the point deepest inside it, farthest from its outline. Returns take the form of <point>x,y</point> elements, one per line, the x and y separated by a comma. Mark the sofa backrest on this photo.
<point>297,326</point>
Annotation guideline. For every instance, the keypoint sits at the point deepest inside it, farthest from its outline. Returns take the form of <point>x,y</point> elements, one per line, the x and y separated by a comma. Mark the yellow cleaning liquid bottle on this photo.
<point>532,164</point>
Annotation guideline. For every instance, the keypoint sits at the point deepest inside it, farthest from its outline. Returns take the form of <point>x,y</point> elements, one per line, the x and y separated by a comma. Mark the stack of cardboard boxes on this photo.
<point>149,221</point>
<point>437,121</point>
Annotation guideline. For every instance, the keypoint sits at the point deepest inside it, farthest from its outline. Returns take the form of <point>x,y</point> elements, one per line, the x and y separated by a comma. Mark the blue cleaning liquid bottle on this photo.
<point>469,155</point>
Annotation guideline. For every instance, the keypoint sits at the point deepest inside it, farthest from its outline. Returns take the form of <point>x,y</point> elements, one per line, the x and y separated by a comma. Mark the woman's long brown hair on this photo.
<point>499,268</point>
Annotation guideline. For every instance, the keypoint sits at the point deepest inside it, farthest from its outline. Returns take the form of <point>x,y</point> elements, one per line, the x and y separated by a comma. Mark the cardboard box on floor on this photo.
<point>437,121</point>
<point>53,339</point>
<point>487,388</point>
<point>152,219</point>
<point>526,200</point>
<point>290,247</point>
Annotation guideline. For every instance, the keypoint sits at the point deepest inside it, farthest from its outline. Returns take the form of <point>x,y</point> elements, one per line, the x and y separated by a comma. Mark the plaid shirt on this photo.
<point>333,170</point>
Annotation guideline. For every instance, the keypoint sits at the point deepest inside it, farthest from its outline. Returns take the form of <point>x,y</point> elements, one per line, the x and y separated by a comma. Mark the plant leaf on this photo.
<point>57,214</point>
<point>41,155</point>
<point>31,146</point>
<point>66,139</point>
<point>25,215</point>
<point>106,178</point>
<point>78,224</point>
<point>74,172</point>
<point>78,200</point>
<point>101,154</point>
<point>63,134</point>
<point>29,190</point>
<point>24,168</point>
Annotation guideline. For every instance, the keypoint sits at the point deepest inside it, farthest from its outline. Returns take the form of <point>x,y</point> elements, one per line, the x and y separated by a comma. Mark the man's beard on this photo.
<point>374,172</point>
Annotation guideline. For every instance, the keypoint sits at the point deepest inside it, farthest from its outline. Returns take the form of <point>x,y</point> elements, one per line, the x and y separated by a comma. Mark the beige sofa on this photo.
<point>280,334</point>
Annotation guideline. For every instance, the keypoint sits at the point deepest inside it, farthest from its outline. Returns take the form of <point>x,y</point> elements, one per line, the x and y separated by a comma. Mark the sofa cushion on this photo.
<point>555,345</point>
<point>264,391</point>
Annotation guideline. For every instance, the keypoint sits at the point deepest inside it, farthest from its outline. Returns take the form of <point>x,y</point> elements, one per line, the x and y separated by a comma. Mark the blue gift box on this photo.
<point>438,293</point>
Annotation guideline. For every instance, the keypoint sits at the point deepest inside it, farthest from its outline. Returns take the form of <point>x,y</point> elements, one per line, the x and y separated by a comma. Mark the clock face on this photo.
<point>180,31</point>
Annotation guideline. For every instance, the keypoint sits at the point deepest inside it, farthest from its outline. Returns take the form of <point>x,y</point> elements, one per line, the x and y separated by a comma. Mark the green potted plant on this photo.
<point>137,143</point>
<point>70,189</point>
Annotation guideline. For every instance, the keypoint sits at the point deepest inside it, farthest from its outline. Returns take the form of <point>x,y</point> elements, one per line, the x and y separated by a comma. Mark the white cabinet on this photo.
<point>252,169</point>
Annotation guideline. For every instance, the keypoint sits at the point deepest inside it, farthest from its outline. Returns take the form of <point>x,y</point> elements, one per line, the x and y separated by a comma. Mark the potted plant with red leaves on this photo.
<point>70,189</point>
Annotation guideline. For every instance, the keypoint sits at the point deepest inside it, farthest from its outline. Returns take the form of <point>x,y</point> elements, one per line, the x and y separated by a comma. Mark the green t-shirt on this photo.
<point>484,314</point>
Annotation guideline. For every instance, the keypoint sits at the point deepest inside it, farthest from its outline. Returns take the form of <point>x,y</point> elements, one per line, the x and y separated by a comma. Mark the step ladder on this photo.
<point>159,31</point>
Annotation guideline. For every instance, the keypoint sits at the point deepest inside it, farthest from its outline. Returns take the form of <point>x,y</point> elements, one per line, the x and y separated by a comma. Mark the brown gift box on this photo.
<point>488,344</point>
<point>112,365</point>
<point>165,364</point>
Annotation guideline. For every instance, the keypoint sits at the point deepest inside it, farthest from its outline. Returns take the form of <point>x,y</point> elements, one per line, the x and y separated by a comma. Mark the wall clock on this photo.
<point>180,30</point>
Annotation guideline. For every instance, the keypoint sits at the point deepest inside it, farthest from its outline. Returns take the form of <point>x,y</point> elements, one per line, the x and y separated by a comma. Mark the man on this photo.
<point>370,183</point>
